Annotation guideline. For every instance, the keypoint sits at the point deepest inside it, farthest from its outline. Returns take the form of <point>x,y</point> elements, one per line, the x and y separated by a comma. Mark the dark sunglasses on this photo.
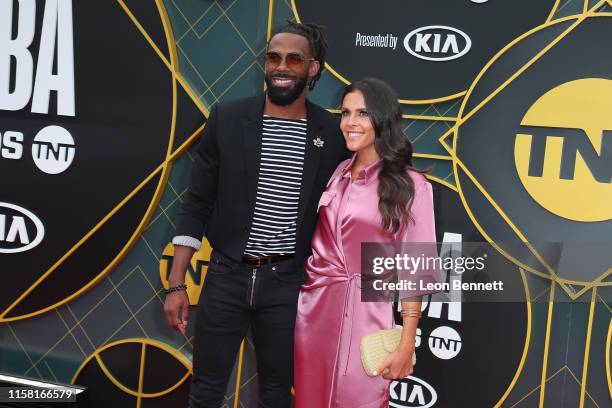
<point>292,59</point>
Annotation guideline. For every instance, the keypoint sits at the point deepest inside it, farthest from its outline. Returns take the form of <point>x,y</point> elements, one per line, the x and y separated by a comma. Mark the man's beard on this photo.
<point>285,96</point>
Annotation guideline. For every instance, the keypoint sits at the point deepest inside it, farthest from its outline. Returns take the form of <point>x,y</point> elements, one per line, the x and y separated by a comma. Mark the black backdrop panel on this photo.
<point>426,49</point>
<point>94,255</point>
<point>150,21</point>
<point>123,363</point>
<point>120,128</point>
<point>172,372</point>
<point>103,392</point>
<point>159,379</point>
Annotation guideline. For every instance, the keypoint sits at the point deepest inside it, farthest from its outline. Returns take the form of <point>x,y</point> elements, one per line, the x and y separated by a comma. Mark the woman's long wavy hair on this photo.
<point>396,188</point>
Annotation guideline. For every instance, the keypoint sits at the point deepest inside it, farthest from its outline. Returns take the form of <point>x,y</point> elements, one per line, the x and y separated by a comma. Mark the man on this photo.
<point>258,174</point>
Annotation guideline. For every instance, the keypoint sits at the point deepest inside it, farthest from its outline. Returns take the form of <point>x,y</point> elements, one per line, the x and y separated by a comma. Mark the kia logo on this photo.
<point>437,43</point>
<point>20,229</point>
<point>412,392</point>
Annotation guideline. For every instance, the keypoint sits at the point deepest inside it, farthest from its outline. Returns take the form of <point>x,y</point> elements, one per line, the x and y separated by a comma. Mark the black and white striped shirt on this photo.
<point>278,187</point>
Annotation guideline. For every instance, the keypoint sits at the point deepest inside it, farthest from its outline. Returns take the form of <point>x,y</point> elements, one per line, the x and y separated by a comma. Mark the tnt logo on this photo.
<point>445,342</point>
<point>196,273</point>
<point>563,150</point>
<point>53,149</point>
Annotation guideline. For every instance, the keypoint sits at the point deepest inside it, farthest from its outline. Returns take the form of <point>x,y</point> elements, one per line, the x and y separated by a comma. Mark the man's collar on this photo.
<point>256,110</point>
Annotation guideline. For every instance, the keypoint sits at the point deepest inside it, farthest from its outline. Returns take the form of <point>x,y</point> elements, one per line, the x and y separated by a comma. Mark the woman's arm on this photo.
<point>414,238</point>
<point>399,363</point>
<point>411,313</point>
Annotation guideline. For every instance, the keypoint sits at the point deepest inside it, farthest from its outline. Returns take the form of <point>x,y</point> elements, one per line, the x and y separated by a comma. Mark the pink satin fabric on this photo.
<point>331,319</point>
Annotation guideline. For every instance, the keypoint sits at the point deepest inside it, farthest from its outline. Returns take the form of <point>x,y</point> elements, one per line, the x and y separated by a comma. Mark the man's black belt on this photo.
<point>264,260</point>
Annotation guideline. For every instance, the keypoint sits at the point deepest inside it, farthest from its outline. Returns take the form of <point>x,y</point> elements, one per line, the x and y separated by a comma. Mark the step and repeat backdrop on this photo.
<point>508,103</point>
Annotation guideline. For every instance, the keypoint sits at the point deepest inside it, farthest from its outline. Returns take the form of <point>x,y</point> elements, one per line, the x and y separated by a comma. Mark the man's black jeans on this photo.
<point>235,297</point>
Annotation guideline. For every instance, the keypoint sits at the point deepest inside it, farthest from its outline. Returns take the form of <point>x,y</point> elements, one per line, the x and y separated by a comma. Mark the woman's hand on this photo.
<point>398,364</point>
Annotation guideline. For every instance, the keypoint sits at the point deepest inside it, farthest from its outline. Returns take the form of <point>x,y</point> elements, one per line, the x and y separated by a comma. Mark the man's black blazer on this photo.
<point>220,200</point>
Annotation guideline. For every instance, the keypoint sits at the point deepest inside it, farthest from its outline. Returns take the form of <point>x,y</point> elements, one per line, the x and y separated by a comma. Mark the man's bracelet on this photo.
<point>175,288</point>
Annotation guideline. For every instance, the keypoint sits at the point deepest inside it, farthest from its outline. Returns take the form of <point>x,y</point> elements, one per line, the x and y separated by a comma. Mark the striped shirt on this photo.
<point>273,229</point>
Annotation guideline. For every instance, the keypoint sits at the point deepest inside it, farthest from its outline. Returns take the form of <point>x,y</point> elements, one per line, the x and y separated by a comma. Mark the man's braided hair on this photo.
<point>316,41</point>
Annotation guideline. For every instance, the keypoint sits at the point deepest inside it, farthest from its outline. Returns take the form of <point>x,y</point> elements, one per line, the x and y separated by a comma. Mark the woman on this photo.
<point>376,197</point>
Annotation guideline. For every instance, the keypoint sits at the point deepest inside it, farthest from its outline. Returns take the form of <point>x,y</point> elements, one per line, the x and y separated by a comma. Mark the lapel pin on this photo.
<point>318,142</point>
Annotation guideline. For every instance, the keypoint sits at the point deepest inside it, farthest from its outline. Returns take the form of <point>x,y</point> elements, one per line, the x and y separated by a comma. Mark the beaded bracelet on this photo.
<point>175,288</point>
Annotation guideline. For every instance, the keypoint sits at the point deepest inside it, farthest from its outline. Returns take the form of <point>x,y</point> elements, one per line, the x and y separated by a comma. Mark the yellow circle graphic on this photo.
<point>563,153</point>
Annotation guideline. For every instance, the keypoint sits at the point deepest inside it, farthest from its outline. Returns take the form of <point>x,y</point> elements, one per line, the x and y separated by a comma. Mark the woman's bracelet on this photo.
<point>175,288</point>
<point>411,312</point>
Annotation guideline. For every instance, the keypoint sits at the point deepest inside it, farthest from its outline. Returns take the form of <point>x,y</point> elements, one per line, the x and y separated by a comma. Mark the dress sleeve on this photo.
<point>417,239</point>
<point>422,228</point>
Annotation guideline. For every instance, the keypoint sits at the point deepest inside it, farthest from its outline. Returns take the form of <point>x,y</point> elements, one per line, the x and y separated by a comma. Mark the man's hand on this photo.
<point>177,302</point>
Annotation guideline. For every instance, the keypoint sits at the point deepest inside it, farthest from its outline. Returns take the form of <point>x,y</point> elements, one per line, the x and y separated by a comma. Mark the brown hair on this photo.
<point>395,188</point>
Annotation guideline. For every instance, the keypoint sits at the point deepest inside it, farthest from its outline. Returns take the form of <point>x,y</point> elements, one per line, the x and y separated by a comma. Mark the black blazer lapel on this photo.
<point>315,143</point>
<point>251,134</point>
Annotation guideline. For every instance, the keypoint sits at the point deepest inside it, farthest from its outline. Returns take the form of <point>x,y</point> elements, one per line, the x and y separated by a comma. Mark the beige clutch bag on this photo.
<point>377,346</point>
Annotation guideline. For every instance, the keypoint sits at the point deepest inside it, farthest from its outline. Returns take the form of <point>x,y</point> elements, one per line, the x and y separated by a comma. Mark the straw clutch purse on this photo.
<point>377,346</point>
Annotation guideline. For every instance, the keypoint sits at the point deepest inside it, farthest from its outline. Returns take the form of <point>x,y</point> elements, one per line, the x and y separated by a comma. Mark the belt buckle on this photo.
<point>256,262</point>
<point>261,262</point>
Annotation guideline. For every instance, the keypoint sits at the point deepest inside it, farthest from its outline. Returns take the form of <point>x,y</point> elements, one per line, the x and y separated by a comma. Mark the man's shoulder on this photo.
<point>240,105</point>
<point>323,116</point>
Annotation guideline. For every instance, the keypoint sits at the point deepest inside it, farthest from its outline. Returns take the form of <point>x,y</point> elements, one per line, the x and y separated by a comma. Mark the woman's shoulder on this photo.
<point>341,166</point>
<point>338,171</point>
<point>418,179</point>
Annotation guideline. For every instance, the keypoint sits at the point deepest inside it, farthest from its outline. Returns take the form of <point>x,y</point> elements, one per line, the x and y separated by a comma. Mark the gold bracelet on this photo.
<point>411,312</point>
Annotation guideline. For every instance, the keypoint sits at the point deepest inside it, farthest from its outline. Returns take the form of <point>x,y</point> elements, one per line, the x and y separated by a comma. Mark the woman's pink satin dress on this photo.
<point>331,319</point>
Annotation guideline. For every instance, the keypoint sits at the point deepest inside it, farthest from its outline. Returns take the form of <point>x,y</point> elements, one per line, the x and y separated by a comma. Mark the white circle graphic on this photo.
<point>444,342</point>
<point>53,149</point>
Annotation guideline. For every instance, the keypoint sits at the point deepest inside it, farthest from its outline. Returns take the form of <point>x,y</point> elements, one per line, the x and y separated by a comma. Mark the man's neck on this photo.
<point>295,110</point>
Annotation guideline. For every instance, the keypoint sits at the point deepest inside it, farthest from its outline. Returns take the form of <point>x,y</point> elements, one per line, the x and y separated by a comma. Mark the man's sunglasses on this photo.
<point>292,59</point>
